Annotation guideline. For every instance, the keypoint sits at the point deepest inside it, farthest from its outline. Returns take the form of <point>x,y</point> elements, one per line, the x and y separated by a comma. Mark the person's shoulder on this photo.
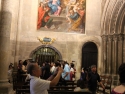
<point>120,87</point>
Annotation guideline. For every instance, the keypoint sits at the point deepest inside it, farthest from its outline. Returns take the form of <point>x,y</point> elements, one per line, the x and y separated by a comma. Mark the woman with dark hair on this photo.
<point>121,88</point>
<point>24,70</point>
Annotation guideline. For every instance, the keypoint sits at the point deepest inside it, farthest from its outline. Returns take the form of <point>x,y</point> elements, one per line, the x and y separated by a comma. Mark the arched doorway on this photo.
<point>45,53</point>
<point>89,54</point>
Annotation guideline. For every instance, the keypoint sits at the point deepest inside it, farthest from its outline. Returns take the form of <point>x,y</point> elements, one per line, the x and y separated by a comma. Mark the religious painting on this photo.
<point>61,15</point>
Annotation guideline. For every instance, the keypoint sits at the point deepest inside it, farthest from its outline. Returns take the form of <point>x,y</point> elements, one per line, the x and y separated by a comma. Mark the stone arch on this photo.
<point>120,20</point>
<point>98,44</point>
<point>112,15</point>
<point>89,54</point>
<point>112,35</point>
<point>117,18</point>
<point>31,54</point>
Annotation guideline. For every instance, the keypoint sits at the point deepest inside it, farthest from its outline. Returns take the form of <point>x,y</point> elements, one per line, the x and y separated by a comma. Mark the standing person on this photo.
<point>47,73</point>
<point>20,66</point>
<point>66,71</point>
<point>43,70</point>
<point>24,67</point>
<point>121,88</point>
<point>52,67</point>
<point>10,73</point>
<point>72,72</point>
<point>93,77</point>
<point>83,75</point>
<point>37,85</point>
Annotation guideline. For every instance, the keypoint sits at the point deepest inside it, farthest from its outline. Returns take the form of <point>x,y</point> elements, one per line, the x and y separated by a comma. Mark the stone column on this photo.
<point>115,64</point>
<point>120,49</point>
<point>5,28</point>
<point>109,53</point>
<point>104,52</point>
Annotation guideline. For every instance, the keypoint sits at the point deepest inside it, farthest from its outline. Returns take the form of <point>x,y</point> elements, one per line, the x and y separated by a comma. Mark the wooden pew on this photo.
<point>62,88</point>
<point>27,91</point>
<point>67,92</point>
<point>106,81</point>
<point>23,91</point>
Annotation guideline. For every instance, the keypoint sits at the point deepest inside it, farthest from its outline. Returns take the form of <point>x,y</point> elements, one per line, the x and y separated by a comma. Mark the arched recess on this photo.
<point>89,54</point>
<point>113,35</point>
<point>97,42</point>
<point>112,16</point>
<point>45,53</point>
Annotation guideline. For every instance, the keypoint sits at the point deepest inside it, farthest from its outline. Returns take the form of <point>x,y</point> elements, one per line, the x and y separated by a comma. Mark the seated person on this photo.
<point>81,86</point>
<point>121,88</point>
<point>55,6</point>
<point>40,86</point>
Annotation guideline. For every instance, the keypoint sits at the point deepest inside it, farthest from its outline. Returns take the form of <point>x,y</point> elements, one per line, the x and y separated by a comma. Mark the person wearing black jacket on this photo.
<point>93,77</point>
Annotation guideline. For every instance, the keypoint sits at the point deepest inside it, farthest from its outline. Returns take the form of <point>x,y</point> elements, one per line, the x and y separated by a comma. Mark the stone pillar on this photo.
<point>109,53</point>
<point>115,38</point>
<point>104,52</point>
<point>120,49</point>
<point>5,28</point>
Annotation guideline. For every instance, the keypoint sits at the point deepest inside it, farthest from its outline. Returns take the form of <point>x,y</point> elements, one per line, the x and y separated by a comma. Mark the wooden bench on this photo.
<point>106,81</point>
<point>27,91</point>
<point>62,87</point>
<point>67,92</point>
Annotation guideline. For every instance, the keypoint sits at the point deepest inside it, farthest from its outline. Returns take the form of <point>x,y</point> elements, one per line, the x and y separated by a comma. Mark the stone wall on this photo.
<point>113,35</point>
<point>24,34</point>
<point>0,8</point>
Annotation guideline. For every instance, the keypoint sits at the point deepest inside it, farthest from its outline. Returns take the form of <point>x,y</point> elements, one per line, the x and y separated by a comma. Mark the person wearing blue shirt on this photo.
<point>66,71</point>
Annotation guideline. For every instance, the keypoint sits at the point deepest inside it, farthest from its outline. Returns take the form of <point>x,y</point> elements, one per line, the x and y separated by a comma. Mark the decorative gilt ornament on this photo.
<point>46,40</point>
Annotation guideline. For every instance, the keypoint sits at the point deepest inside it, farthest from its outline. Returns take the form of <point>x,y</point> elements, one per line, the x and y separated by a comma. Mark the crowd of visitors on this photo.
<point>49,74</point>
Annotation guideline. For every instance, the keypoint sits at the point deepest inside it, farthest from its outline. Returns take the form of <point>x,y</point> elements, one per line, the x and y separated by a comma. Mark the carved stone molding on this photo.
<point>103,4</point>
<point>110,38</point>
<point>31,54</point>
<point>115,37</point>
<point>121,37</point>
<point>104,38</point>
<point>110,16</point>
<point>115,14</point>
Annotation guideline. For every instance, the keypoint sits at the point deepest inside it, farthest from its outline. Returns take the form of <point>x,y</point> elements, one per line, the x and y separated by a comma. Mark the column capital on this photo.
<point>104,38</point>
<point>110,38</point>
<point>115,37</point>
<point>120,37</point>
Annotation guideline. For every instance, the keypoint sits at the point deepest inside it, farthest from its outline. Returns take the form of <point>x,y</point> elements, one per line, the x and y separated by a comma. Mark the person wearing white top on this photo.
<point>37,85</point>
<point>52,67</point>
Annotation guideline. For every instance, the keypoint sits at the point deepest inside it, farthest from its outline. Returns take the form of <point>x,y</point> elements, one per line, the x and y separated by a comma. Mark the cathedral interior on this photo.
<point>100,39</point>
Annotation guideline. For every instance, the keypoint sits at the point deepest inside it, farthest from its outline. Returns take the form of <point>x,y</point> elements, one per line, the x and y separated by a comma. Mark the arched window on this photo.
<point>43,54</point>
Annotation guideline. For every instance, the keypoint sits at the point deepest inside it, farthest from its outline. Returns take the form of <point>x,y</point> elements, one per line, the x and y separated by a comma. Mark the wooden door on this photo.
<point>89,55</point>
